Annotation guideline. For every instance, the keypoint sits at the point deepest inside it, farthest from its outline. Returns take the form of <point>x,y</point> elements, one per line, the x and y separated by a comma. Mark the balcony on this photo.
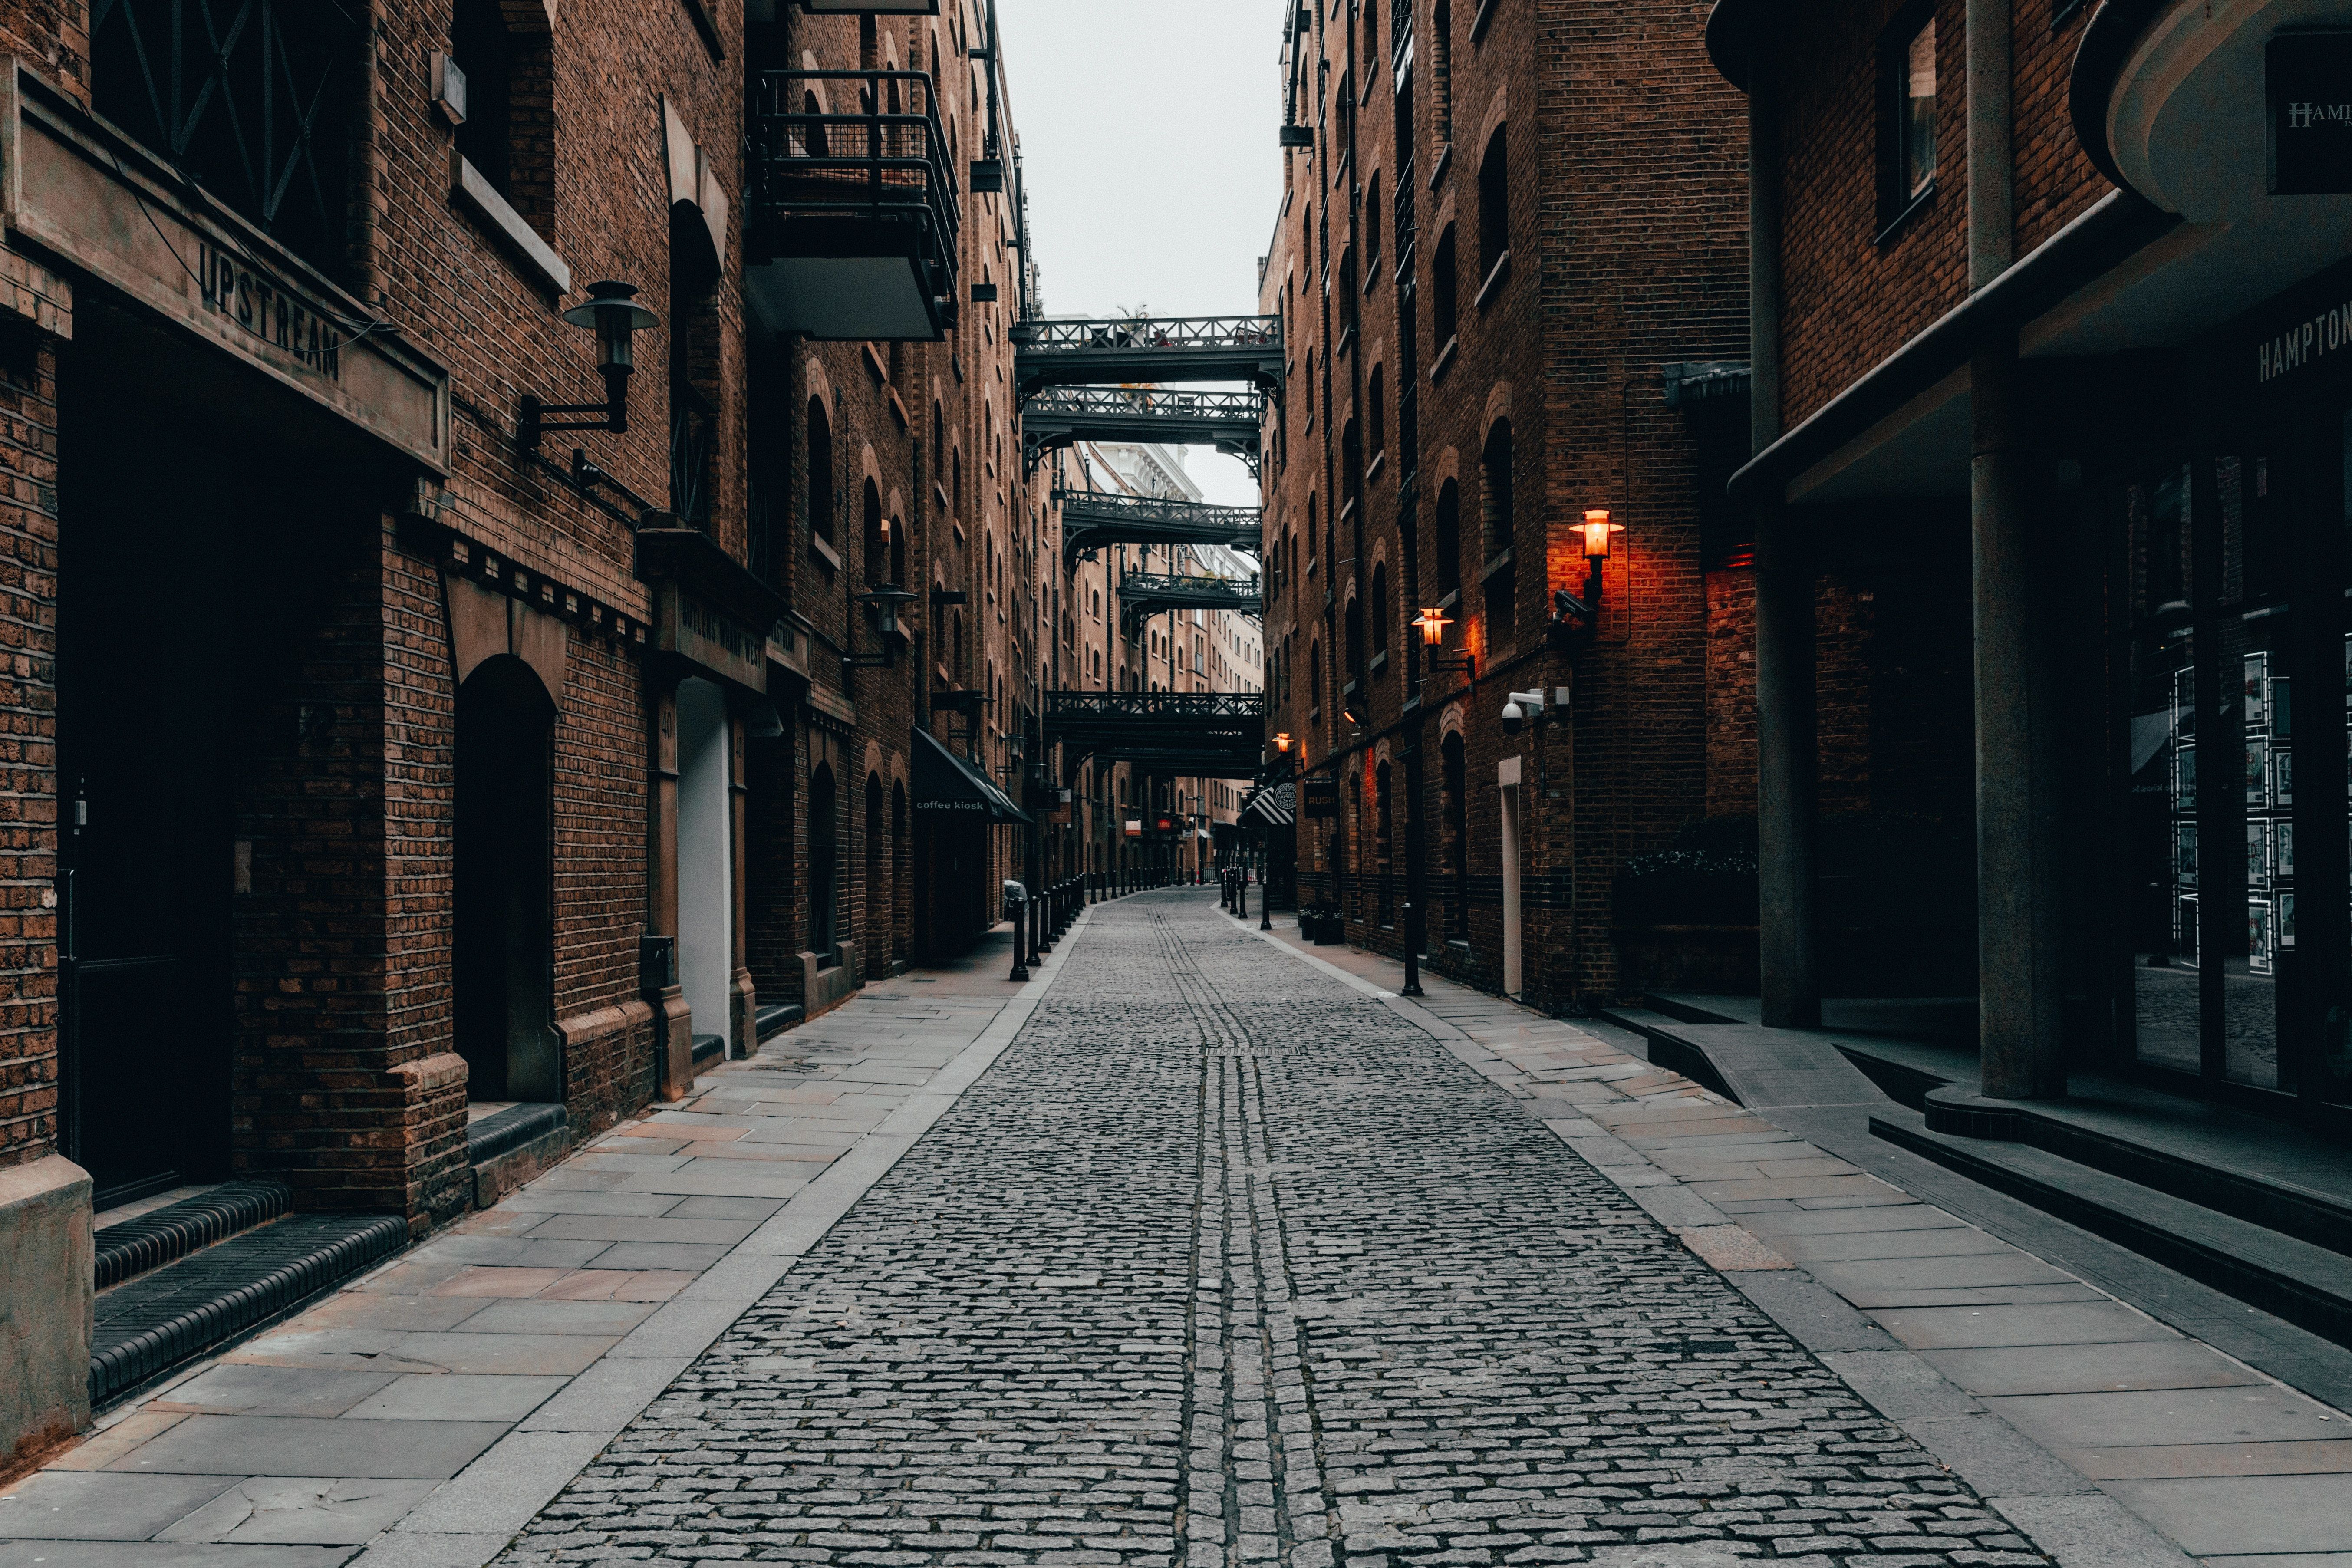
<point>851,224</point>
<point>1229,421</point>
<point>1119,351</point>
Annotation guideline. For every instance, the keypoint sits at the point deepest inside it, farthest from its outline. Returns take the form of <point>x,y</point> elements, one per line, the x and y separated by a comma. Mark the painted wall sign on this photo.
<point>2309,81</point>
<point>1320,798</point>
<point>77,187</point>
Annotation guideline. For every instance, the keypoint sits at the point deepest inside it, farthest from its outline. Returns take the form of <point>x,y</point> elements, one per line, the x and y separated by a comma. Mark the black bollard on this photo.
<point>1241,908</point>
<point>1020,942</point>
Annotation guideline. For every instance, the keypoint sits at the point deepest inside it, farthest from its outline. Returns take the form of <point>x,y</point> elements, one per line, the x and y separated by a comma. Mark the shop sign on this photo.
<point>1134,827</point>
<point>77,187</point>
<point>2309,77</point>
<point>1318,797</point>
<point>700,632</point>
<point>2300,339</point>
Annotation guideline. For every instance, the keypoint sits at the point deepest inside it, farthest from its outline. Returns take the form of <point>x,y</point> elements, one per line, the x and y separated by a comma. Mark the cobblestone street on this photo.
<point>1226,1263</point>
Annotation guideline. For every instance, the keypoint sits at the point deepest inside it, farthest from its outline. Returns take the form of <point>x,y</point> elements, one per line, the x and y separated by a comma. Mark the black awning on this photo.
<point>948,785</point>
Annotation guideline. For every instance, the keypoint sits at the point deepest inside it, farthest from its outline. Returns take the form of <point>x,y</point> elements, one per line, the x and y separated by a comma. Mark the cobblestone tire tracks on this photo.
<point>1226,1264</point>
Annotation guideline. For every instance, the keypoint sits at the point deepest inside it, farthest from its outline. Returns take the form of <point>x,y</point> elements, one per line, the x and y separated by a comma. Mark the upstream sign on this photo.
<point>2308,77</point>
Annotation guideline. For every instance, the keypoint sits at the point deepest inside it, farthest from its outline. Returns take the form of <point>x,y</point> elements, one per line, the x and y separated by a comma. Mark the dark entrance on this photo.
<point>504,957</point>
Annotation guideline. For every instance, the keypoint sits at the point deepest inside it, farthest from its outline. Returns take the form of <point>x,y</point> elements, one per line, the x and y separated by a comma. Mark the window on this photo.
<point>1371,230</point>
<point>1457,839</point>
<point>1444,290</point>
<point>1906,135</point>
<point>873,542</point>
<point>1355,637</point>
<point>1494,502</point>
<point>508,135</point>
<point>1376,405</point>
<point>1447,528</point>
<point>1495,203</point>
<point>1380,611</point>
<point>821,862</point>
<point>1308,382</point>
<point>819,472</point>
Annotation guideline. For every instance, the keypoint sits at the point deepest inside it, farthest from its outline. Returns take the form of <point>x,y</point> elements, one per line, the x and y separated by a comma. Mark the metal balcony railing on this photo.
<point>862,145</point>
<point>1048,336</point>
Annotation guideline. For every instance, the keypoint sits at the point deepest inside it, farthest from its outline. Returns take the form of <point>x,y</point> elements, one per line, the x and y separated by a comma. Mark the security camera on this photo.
<point>1512,718</point>
<point>1518,706</point>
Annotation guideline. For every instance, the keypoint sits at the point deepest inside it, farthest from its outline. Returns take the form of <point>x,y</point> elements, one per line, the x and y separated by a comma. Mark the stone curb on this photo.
<point>471,1518</point>
<point>2066,1515</point>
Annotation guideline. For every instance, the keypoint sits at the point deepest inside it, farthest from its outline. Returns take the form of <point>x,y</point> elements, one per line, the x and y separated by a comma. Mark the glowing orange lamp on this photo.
<point>1432,623</point>
<point>1597,528</point>
<point>1282,741</point>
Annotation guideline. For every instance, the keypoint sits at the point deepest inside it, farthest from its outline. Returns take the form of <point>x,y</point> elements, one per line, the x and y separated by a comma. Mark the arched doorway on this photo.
<point>504,961</point>
<point>900,910</point>
<point>706,859</point>
<point>877,904</point>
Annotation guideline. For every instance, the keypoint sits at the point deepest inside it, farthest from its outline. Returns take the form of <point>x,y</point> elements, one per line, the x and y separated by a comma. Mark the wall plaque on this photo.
<point>2309,89</point>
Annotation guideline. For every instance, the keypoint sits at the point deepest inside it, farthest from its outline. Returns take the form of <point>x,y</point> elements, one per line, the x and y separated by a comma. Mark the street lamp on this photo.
<point>613,313</point>
<point>1569,613</point>
<point>1432,622</point>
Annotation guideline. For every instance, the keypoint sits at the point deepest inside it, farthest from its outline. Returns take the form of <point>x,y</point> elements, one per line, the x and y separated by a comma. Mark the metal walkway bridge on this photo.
<point>1091,520</point>
<point>1145,593</point>
<point>1216,734</point>
<point>1229,421</point>
<point>1157,350</point>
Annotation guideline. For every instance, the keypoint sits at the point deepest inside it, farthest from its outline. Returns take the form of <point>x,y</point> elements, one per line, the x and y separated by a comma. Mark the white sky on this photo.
<point>1147,147</point>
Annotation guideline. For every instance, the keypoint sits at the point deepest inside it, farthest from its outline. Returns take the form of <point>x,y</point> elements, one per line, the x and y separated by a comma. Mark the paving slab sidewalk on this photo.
<point>2083,1418</point>
<point>431,1406</point>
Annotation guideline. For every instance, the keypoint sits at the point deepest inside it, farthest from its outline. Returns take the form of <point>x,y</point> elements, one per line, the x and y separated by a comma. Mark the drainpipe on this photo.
<point>1786,763</point>
<point>2019,986</point>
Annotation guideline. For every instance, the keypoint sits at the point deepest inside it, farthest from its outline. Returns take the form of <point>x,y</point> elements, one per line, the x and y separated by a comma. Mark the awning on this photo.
<point>951,786</point>
<point>1271,806</point>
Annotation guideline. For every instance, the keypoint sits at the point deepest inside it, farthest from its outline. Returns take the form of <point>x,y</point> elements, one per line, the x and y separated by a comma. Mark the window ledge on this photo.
<point>1492,568</point>
<point>1891,230</point>
<point>1371,273</point>
<point>703,24</point>
<point>471,188</point>
<point>825,552</point>
<point>1346,340</point>
<point>1494,280</point>
<point>1445,164</point>
<point>874,366</point>
<point>1478,23</point>
<point>1379,663</point>
<point>1444,359</point>
<point>1380,460</point>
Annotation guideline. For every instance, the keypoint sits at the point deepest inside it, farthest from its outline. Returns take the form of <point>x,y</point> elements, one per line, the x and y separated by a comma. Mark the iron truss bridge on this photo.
<point>1091,520</point>
<point>1214,734</point>
<point>1153,349</point>
<point>1146,594</point>
<point>1229,421</point>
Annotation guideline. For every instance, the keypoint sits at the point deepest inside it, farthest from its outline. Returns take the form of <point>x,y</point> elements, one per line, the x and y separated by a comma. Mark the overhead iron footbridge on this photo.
<point>1091,518</point>
<point>1110,353</point>
<point>1143,595</point>
<point>1210,735</point>
<point>1231,422</point>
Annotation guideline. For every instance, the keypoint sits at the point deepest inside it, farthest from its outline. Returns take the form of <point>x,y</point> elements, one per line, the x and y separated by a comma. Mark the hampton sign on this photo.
<point>2308,79</point>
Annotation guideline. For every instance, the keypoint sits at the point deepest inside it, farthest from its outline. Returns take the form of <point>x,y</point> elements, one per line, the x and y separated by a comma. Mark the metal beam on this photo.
<point>1149,592</point>
<point>1121,349</point>
<point>1091,520</point>
<point>1215,734</point>
<point>1229,421</point>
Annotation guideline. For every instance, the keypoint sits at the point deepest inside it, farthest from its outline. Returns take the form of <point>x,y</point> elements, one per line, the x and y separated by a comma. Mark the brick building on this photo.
<point>2048,471</point>
<point>1509,270</point>
<point>584,520</point>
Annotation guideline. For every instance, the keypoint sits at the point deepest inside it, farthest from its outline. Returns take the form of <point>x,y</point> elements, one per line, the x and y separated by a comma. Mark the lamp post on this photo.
<point>613,313</point>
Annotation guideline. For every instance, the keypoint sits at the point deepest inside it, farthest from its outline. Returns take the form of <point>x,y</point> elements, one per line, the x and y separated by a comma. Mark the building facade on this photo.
<point>2047,418</point>
<point>1509,269</point>
<point>605,601</point>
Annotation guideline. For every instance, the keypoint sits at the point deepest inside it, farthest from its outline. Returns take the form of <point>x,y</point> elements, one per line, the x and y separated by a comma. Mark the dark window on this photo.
<point>1376,405</point>
<point>1383,840</point>
<point>1494,201</point>
<point>508,133</point>
<point>694,337</point>
<point>873,540</point>
<point>1380,609</point>
<point>822,860</point>
<point>262,119</point>
<point>1906,131</point>
<point>1372,230</point>
<point>1495,504</point>
<point>1355,637</point>
<point>1444,290</point>
<point>1447,528</point>
<point>1441,67</point>
<point>1457,839</point>
<point>819,472</point>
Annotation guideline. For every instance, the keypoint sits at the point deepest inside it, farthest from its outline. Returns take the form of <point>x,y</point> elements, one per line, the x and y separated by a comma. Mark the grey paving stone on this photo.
<point>165,1554</point>
<point>459,1396</point>
<point>304,1445</point>
<point>2244,1514</point>
<point>233,1390</point>
<point>2084,1368</point>
<point>92,1505</point>
<point>660,1255</point>
<point>524,1355</point>
<point>537,1316</point>
<point>2240,1415</point>
<point>2062,1323</point>
<point>289,1511</point>
<point>630,1227</point>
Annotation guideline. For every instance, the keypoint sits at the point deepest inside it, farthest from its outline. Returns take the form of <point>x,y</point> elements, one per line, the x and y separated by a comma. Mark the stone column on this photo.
<point>1786,757</point>
<point>2019,901</point>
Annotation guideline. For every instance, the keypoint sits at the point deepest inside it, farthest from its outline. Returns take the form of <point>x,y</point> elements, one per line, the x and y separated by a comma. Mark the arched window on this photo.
<point>1456,849</point>
<point>873,538</point>
<point>1384,795</point>
<point>1447,541</point>
<point>1376,405</point>
<point>820,471</point>
<point>877,897</point>
<point>1495,506</point>
<point>1307,381</point>
<point>822,862</point>
<point>1355,637</point>
<point>1314,678</point>
<point>1441,67</point>
<point>1314,534</point>
<point>1351,461</point>
<point>1372,229</point>
<point>1381,610</point>
<point>1444,290</point>
<point>1493,203</point>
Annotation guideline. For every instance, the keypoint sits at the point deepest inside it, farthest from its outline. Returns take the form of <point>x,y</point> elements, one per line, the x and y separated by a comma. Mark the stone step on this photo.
<point>131,1248</point>
<point>775,1017</point>
<point>510,1147</point>
<point>169,1316</point>
<point>2307,1285</point>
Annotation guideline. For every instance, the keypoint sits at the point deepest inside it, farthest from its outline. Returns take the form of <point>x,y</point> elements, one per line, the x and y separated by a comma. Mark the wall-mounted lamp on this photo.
<point>1432,622</point>
<point>614,314</point>
<point>886,600</point>
<point>1569,613</point>
<point>1596,529</point>
<point>1282,743</point>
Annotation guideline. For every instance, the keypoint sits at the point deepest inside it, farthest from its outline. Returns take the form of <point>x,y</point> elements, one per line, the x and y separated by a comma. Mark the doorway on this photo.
<point>504,958</point>
<point>1513,976</point>
<point>706,859</point>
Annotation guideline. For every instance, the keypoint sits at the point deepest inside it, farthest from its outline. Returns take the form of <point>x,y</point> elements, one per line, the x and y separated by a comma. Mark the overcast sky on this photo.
<point>1147,147</point>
